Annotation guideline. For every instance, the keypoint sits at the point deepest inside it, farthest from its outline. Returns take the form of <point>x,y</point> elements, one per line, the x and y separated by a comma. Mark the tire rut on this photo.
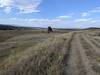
<point>94,41</point>
<point>92,52</point>
<point>94,47</point>
<point>78,63</point>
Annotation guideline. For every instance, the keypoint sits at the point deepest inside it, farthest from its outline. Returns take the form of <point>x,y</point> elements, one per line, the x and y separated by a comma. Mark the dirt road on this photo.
<point>79,63</point>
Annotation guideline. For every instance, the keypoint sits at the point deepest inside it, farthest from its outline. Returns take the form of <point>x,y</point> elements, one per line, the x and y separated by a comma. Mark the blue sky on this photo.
<point>55,13</point>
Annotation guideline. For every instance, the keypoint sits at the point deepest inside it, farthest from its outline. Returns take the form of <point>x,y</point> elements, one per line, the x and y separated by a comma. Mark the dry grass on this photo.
<point>18,41</point>
<point>6,34</point>
<point>46,58</point>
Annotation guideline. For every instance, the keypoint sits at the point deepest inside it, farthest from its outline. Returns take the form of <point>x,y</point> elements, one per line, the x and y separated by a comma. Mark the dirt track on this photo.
<point>79,63</point>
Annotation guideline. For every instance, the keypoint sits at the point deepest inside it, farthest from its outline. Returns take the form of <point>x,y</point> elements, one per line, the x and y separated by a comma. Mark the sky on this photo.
<point>55,13</point>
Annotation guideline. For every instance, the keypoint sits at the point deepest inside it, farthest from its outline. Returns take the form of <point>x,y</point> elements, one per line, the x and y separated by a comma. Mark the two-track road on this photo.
<point>78,62</point>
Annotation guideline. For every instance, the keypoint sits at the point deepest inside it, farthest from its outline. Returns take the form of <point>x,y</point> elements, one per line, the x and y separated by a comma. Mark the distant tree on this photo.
<point>50,29</point>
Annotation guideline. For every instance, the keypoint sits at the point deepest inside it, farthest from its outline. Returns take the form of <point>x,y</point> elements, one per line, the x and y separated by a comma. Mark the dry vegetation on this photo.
<point>59,53</point>
<point>44,58</point>
<point>13,42</point>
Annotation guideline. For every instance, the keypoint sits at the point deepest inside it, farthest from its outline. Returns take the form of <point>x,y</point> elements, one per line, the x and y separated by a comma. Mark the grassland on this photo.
<point>35,52</point>
<point>30,45</point>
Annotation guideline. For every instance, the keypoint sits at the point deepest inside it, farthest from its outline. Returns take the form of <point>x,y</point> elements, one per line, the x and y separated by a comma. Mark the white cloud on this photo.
<point>64,17</point>
<point>6,3</point>
<point>96,10</point>
<point>68,23</point>
<point>85,14</point>
<point>7,10</point>
<point>59,23</point>
<point>24,6</point>
<point>83,20</point>
<point>44,20</point>
<point>90,12</point>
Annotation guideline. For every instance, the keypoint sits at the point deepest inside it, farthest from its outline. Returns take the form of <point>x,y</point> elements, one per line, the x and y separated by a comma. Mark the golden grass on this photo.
<point>46,58</point>
<point>6,34</point>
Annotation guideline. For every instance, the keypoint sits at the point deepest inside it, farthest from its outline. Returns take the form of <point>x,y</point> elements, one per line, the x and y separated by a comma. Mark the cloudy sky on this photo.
<point>55,13</point>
